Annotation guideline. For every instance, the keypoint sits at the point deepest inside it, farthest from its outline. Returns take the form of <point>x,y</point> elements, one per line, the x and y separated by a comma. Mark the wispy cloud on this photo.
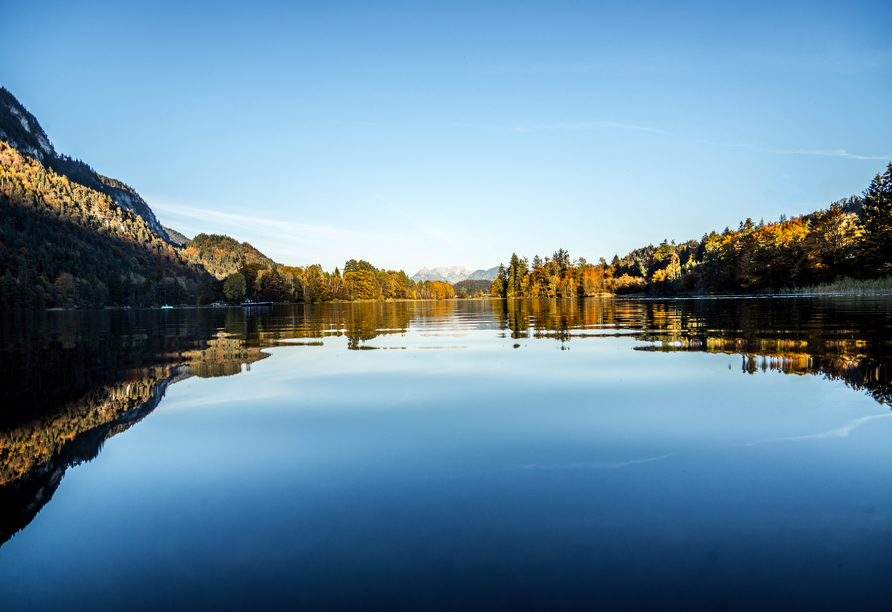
<point>822,152</point>
<point>281,239</point>
<point>589,465</point>
<point>280,227</point>
<point>840,432</point>
<point>588,125</point>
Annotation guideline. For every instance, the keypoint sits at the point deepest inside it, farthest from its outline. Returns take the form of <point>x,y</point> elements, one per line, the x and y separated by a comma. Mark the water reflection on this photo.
<point>71,381</point>
<point>846,339</point>
<point>70,388</point>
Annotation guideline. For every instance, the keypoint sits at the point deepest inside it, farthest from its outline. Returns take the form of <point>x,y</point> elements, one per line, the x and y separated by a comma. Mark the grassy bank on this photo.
<point>851,286</point>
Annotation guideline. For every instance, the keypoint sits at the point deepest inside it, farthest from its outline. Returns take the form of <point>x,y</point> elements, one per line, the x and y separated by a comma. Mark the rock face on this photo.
<point>453,274</point>
<point>21,130</point>
<point>177,239</point>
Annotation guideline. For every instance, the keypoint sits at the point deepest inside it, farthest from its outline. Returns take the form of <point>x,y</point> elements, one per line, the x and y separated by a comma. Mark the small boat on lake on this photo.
<point>250,304</point>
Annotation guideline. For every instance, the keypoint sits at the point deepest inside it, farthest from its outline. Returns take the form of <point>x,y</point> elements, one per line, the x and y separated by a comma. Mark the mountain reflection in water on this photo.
<point>71,381</point>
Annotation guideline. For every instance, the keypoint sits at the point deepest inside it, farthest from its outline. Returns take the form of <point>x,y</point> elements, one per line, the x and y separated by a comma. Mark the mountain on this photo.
<point>451,275</point>
<point>66,245</point>
<point>454,274</point>
<point>20,130</point>
<point>176,239</point>
<point>484,274</point>
<point>72,238</point>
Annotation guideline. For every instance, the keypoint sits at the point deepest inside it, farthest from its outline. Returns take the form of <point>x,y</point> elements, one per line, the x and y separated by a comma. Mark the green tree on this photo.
<point>234,286</point>
<point>876,215</point>
<point>499,286</point>
<point>272,287</point>
<point>9,291</point>
<point>562,259</point>
<point>65,288</point>
<point>206,293</point>
<point>250,272</point>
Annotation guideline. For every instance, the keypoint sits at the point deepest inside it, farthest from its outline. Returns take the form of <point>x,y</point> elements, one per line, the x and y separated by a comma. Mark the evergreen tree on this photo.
<point>876,215</point>
<point>562,259</point>
<point>500,283</point>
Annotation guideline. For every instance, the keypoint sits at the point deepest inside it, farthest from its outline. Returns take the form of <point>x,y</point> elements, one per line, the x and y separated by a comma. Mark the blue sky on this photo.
<point>413,134</point>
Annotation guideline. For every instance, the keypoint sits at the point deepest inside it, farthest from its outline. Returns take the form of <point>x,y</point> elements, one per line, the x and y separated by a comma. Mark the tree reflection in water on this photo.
<point>71,381</point>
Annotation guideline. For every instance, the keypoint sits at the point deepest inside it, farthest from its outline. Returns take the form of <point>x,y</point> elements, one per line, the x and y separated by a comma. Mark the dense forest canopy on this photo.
<point>66,245</point>
<point>472,288</point>
<point>221,255</point>
<point>20,130</point>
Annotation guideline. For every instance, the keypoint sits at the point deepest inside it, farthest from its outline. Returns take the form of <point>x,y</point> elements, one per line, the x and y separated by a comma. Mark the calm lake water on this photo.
<point>724,454</point>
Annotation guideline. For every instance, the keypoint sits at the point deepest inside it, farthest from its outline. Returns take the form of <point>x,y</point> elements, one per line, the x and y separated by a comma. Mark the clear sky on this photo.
<point>437,134</point>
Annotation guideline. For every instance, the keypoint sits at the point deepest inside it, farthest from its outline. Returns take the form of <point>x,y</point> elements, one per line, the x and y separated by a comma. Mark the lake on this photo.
<point>719,454</point>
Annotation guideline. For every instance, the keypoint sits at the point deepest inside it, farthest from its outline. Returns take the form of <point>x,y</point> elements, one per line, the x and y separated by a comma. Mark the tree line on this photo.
<point>557,276</point>
<point>851,239</point>
<point>67,245</point>
<point>360,280</point>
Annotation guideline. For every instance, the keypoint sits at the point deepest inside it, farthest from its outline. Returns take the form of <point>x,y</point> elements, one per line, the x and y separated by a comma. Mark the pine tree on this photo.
<point>876,215</point>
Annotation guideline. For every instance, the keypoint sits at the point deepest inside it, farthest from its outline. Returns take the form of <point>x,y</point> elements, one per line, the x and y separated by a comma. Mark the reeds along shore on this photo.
<point>848,286</point>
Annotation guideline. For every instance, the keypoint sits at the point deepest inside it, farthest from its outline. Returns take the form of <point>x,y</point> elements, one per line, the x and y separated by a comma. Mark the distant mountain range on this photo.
<point>454,274</point>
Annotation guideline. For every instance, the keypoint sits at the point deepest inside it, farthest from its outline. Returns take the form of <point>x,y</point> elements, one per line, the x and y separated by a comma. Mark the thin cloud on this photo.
<point>825,153</point>
<point>841,432</point>
<point>253,223</point>
<point>283,240</point>
<point>589,125</point>
<point>591,465</point>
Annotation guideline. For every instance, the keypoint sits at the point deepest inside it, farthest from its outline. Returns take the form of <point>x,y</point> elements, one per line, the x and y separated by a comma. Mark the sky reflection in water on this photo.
<point>618,454</point>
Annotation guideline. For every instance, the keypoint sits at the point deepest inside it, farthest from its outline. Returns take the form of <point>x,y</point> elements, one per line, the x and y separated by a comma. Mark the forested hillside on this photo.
<point>221,255</point>
<point>850,239</point>
<point>63,244</point>
<point>472,288</point>
<point>20,130</point>
<point>72,238</point>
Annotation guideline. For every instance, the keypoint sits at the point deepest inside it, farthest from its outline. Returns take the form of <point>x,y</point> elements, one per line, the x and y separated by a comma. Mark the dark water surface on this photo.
<point>724,454</point>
